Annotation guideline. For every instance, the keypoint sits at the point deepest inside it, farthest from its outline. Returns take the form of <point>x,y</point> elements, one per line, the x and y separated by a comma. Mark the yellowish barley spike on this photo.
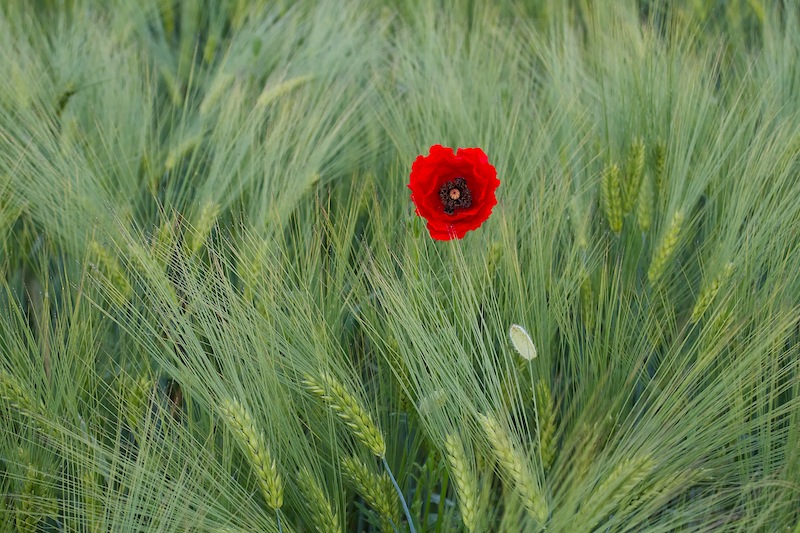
<point>35,500</point>
<point>580,217</point>
<point>757,7</point>
<point>250,267</point>
<point>587,303</point>
<point>173,86</point>
<point>463,473</point>
<point>404,403</point>
<point>717,330</point>
<point>515,468</point>
<point>666,489</point>
<point>644,204</point>
<point>433,402</point>
<point>622,484</point>
<point>633,174</point>
<point>391,497</point>
<point>14,394</point>
<point>709,292</point>
<point>206,220</point>
<point>663,254</point>
<point>639,470</point>
<point>136,400</point>
<point>27,516</point>
<point>218,88</point>
<point>612,197</point>
<point>345,405</point>
<point>547,423</point>
<point>115,278</point>
<point>177,153</point>
<point>376,490</point>
<point>493,257</point>
<point>93,508</point>
<point>325,520</point>
<point>210,49</point>
<point>238,13</point>
<point>273,92</point>
<point>583,452</point>
<point>660,156</point>
<point>164,238</point>
<point>253,443</point>
<point>152,170</point>
<point>167,8</point>
<point>20,398</point>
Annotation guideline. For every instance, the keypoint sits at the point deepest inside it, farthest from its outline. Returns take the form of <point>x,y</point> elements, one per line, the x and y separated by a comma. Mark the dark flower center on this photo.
<point>455,195</point>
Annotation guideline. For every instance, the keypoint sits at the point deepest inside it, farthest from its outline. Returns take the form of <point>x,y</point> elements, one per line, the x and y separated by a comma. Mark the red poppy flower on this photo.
<point>453,192</point>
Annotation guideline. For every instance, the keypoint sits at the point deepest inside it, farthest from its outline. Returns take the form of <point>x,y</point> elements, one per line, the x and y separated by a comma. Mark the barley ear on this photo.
<point>432,403</point>
<point>709,292</point>
<point>660,157</point>
<point>612,197</point>
<point>583,453</point>
<point>182,148</point>
<point>22,401</point>
<point>325,520</point>
<point>218,89</point>
<point>93,510</point>
<point>210,49</point>
<point>273,92</point>
<point>136,398</point>
<point>644,204</point>
<point>27,518</point>
<point>167,12</point>
<point>587,303</point>
<point>17,396</point>
<point>633,174</point>
<point>254,445</point>
<point>622,484</point>
<point>464,476</point>
<point>250,268</point>
<point>547,423</point>
<point>581,217</point>
<point>665,489</point>
<point>345,405</point>
<point>35,500</point>
<point>376,490</point>
<point>666,248</point>
<point>716,329</point>
<point>206,220</point>
<point>111,273</point>
<point>515,468</point>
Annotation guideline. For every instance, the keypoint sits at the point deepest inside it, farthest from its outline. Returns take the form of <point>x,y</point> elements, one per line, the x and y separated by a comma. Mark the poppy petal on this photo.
<point>441,165</point>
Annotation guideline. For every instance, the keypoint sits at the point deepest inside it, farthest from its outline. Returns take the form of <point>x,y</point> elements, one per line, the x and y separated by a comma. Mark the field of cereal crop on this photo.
<point>399,266</point>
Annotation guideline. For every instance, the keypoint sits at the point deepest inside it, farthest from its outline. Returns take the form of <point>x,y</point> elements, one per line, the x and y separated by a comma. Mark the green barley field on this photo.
<point>220,311</point>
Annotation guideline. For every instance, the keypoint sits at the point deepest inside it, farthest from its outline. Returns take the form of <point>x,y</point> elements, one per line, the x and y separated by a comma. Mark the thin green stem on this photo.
<point>400,494</point>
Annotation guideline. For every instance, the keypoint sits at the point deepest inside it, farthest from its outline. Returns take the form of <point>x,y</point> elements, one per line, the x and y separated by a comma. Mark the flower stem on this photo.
<point>411,528</point>
<point>278,514</point>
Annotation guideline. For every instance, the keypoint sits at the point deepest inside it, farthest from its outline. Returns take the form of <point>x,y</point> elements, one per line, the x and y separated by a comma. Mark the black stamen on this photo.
<point>455,195</point>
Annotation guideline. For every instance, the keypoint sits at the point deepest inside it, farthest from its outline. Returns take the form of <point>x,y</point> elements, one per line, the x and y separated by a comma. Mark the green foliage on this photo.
<point>218,309</point>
